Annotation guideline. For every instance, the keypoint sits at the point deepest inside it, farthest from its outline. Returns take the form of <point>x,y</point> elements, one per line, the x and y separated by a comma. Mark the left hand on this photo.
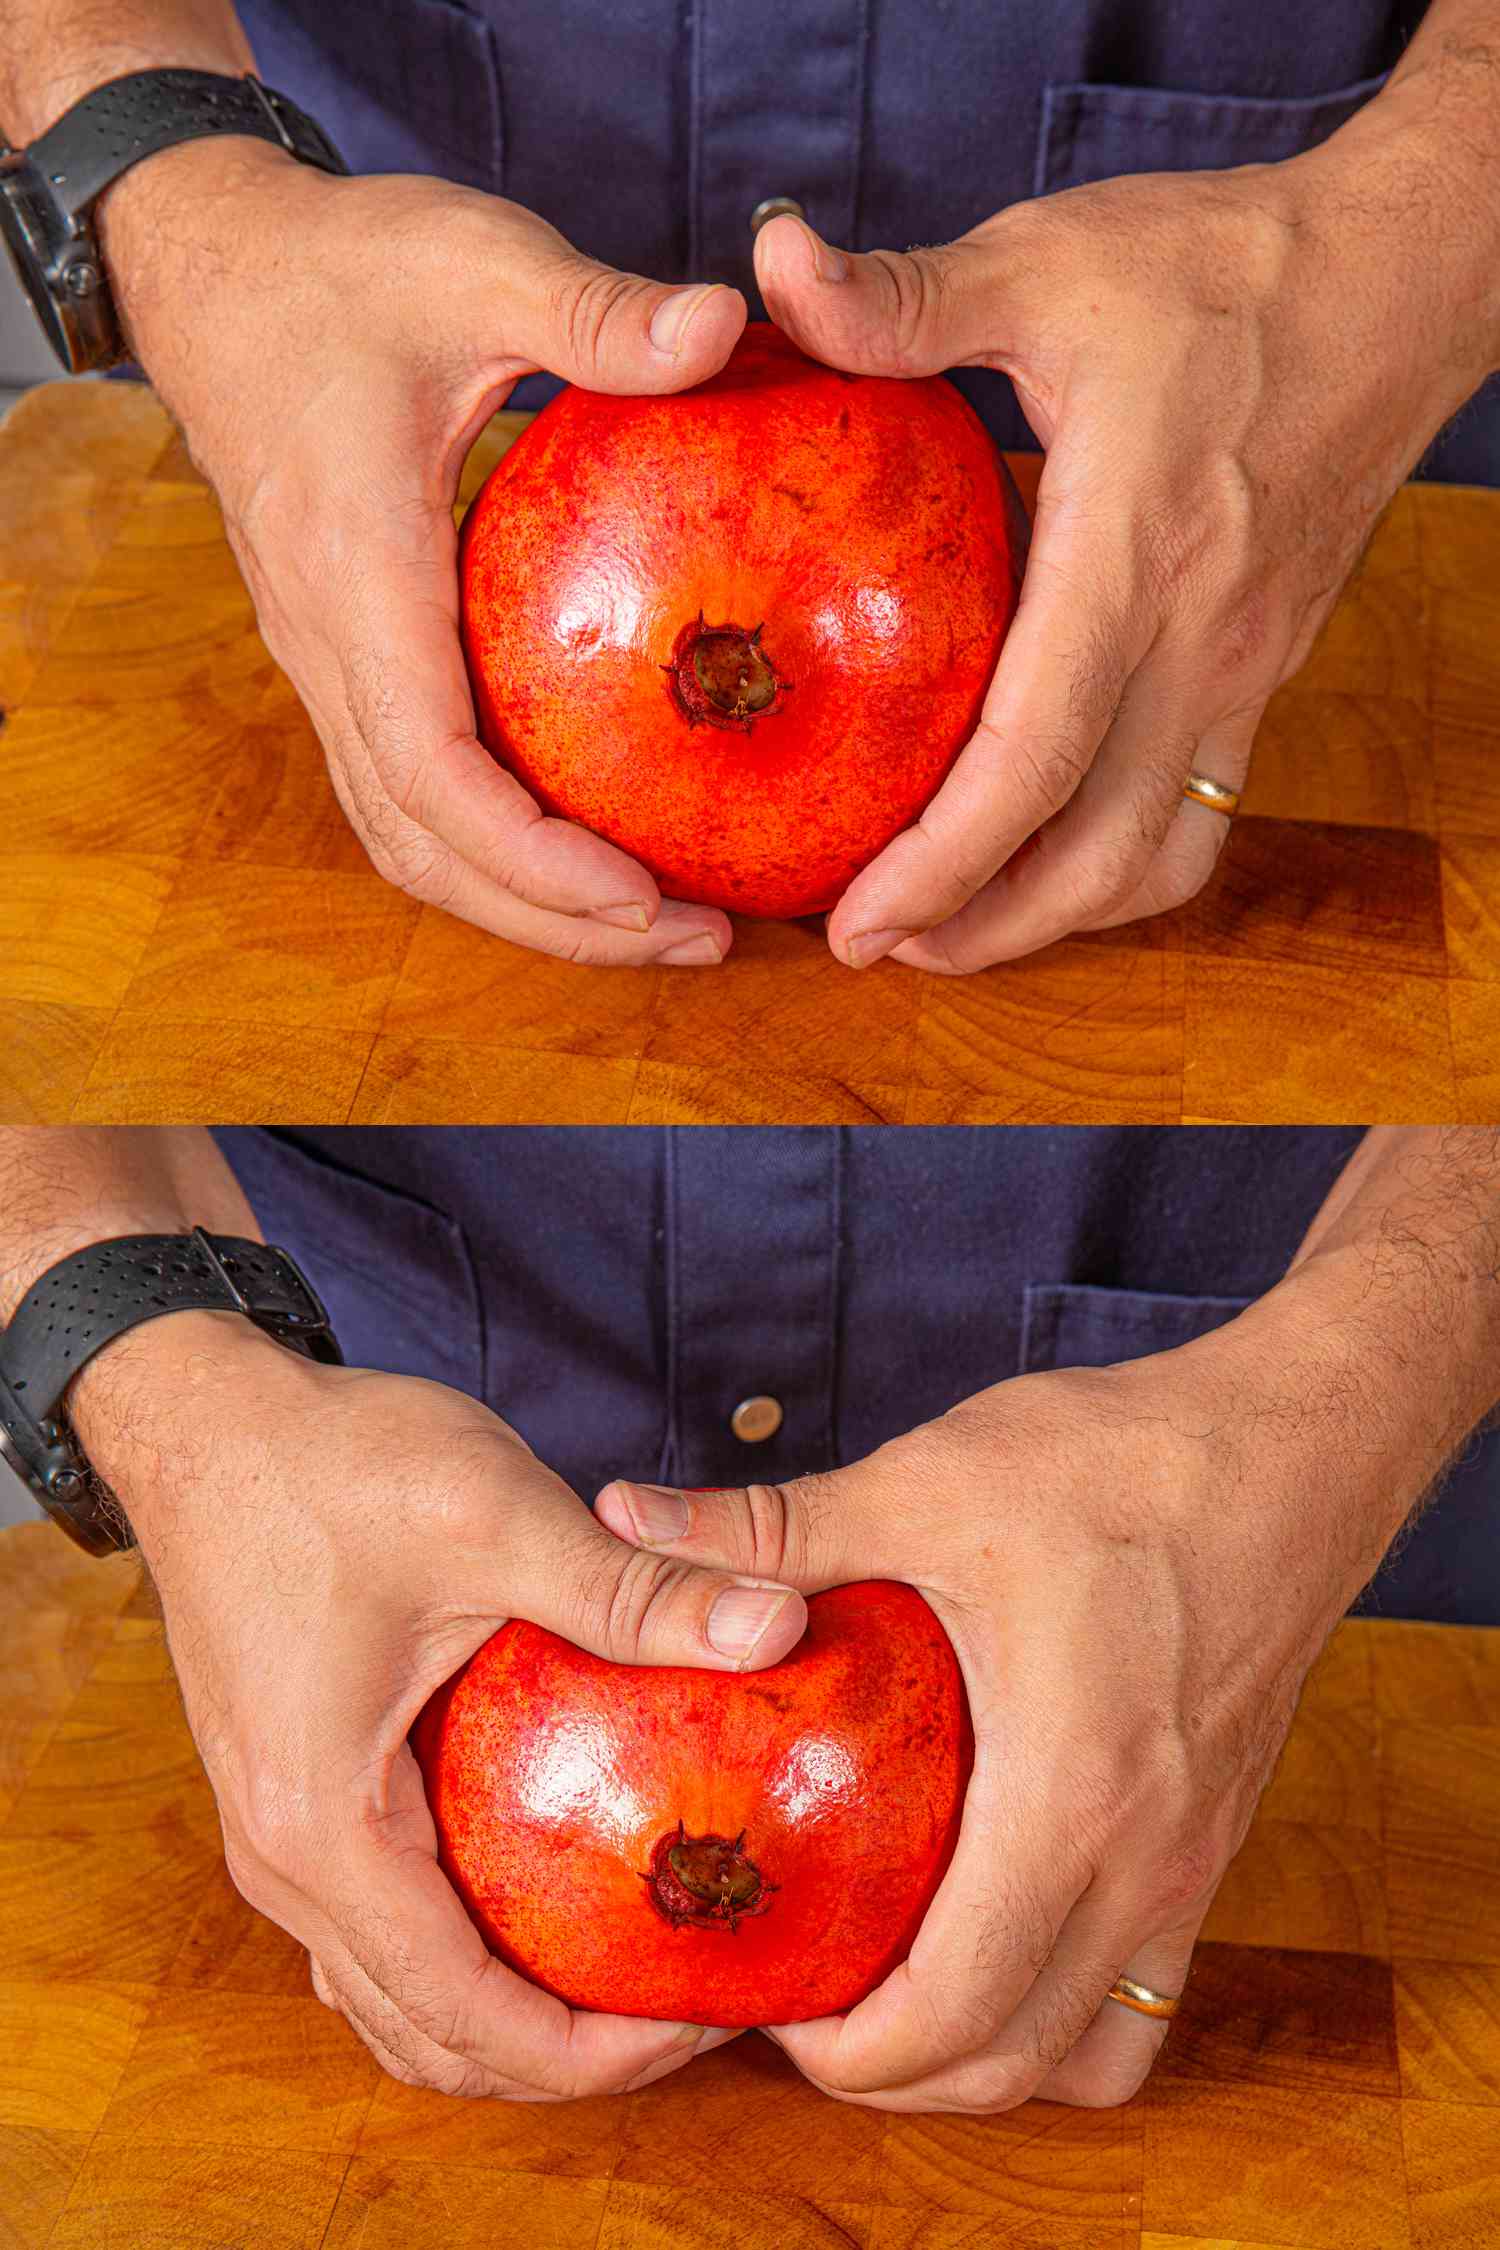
<point>1136,1566</point>
<point>1231,373</point>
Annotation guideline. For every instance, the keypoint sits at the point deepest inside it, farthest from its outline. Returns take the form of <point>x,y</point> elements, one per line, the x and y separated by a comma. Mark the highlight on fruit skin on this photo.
<point>744,630</point>
<point>699,1846</point>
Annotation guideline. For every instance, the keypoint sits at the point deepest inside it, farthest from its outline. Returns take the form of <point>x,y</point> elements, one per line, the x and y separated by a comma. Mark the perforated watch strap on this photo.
<point>117,124</point>
<point>99,1293</point>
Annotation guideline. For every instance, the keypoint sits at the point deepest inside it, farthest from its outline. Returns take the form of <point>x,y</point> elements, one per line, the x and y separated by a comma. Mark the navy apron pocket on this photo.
<point>1097,132</point>
<point>400,85</point>
<point>1064,1324</point>
<point>395,1273</point>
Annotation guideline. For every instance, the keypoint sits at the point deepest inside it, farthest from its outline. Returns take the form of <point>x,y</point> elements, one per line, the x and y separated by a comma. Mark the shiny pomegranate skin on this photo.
<point>845,553</point>
<point>812,1809</point>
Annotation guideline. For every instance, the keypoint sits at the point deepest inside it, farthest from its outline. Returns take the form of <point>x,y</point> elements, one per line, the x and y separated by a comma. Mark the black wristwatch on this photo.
<point>48,191</point>
<point>84,1302</point>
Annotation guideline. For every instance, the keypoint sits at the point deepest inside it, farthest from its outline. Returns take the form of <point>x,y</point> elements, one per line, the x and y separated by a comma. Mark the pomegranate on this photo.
<point>705,1847</point>
<point>742,631</point>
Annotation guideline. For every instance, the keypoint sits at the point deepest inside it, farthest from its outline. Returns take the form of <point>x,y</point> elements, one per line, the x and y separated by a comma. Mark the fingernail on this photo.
<point>670,321</point>
<point>631,917</point>
<point>659,1514</point>
<point>700,952</point>
<point>873,945</point>
<point>740,1616</point>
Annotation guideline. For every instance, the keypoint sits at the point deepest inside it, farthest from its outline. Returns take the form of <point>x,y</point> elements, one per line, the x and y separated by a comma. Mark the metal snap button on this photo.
<point>756,1419</point>
<point>773,208</point>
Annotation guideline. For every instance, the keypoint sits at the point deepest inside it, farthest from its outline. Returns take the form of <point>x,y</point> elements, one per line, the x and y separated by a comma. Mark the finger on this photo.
<point>1198,834</point>
<point>410,1967</point>
<point>681,936</point>
<point>1113,2055</point>
<point>415,773</point>
<point>1067,2041</point>
<point>560,1566</point>
<point>320,1983</point>
<point>1094,854</point>
<point>810,1533</point>
<point>607,330</point>
<point>1078,637</point>
<point>987,1936</point>
<point>890,312</point>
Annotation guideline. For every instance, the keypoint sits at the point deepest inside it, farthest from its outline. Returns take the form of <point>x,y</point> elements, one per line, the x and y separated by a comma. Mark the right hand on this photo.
<point>331,349</point>
<point>329,1546</point>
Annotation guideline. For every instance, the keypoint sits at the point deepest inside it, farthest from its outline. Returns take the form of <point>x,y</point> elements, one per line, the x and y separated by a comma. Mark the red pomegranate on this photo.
<point>742,631</point>
<point>705,1847</point>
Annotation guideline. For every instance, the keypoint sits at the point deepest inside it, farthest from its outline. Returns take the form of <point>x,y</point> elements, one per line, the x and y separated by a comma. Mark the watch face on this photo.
<point>11,1456</point>
<point>23,225</point>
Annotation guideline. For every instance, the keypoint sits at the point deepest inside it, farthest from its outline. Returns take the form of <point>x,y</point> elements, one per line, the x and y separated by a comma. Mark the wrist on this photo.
<point>1411,177</point>
<point>1362,1380</point>
<point>158,219</point>
<point>143,1407</point>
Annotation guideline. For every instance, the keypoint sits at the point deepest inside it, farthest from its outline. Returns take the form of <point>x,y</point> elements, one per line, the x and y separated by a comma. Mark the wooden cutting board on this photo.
<point>189,931</point>
<point>167,2077</point>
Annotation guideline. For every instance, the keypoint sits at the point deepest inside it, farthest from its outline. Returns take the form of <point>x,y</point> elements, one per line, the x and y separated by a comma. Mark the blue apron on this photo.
<point>648,130</point>
<point>614,1293</point>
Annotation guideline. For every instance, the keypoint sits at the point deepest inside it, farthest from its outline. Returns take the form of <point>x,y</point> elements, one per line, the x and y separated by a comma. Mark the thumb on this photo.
<point>809,1533</point>
<point>634,1606</point>
<point>889,312</point>
<point>613,331</point>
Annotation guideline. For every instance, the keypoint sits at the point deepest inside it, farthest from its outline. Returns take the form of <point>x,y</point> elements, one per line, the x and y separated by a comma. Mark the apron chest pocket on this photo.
<point>401,85</point>
<point>1096,132</point>
<point>1066,1325</point>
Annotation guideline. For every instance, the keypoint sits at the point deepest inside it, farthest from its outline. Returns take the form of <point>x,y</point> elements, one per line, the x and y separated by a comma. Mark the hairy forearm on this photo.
<point>1383,1340</point>
<point>54,51</point>
<point>1415,172</point>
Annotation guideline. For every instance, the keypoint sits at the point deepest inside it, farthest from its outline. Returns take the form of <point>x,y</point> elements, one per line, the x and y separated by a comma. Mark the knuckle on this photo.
<point>1187,1873</point>
<point>983,2089</point>
<point>265,1835</point>
<point>1245,633</point>
<point>624,1597</point>
<point>1073,2003</point>
<point>770,1529</point>
<point>420,866</point>
<point>1051,768</point>
<point>582,303</point>
<point>1103,2082</point>
<point>918,281</point>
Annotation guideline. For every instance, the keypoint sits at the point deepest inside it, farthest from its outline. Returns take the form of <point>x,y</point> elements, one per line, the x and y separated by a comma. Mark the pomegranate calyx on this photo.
<point>705,1882</point>
<point>721,676</point>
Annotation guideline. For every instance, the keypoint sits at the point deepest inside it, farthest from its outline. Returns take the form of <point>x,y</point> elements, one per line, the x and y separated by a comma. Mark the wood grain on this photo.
<point>188,929</point>
<point>168,2077</point>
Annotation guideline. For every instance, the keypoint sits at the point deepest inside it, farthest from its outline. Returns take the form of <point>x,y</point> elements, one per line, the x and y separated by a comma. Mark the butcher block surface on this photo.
<point>188,929</point>
<point>167,2076</point>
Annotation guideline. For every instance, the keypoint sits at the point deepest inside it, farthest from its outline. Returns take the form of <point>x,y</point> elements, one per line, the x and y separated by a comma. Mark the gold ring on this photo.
<point>1141,1997</point>
<point>1204,791</point>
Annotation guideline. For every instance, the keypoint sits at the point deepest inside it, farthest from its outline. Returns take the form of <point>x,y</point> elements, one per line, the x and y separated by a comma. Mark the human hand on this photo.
<point>329,1545</point>
<point>331,348</point>
<point>1231,373</point>
<point>1136,1566</point>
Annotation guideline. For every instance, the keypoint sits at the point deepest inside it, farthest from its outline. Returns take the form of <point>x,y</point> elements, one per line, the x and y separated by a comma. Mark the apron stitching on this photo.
<point>668,1467</point>
<point>861,122</point>
<point>694,20</point>
<point>835,1283</point>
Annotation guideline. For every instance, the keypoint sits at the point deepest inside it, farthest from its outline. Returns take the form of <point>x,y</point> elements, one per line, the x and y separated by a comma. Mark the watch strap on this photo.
<point>128,118</point>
